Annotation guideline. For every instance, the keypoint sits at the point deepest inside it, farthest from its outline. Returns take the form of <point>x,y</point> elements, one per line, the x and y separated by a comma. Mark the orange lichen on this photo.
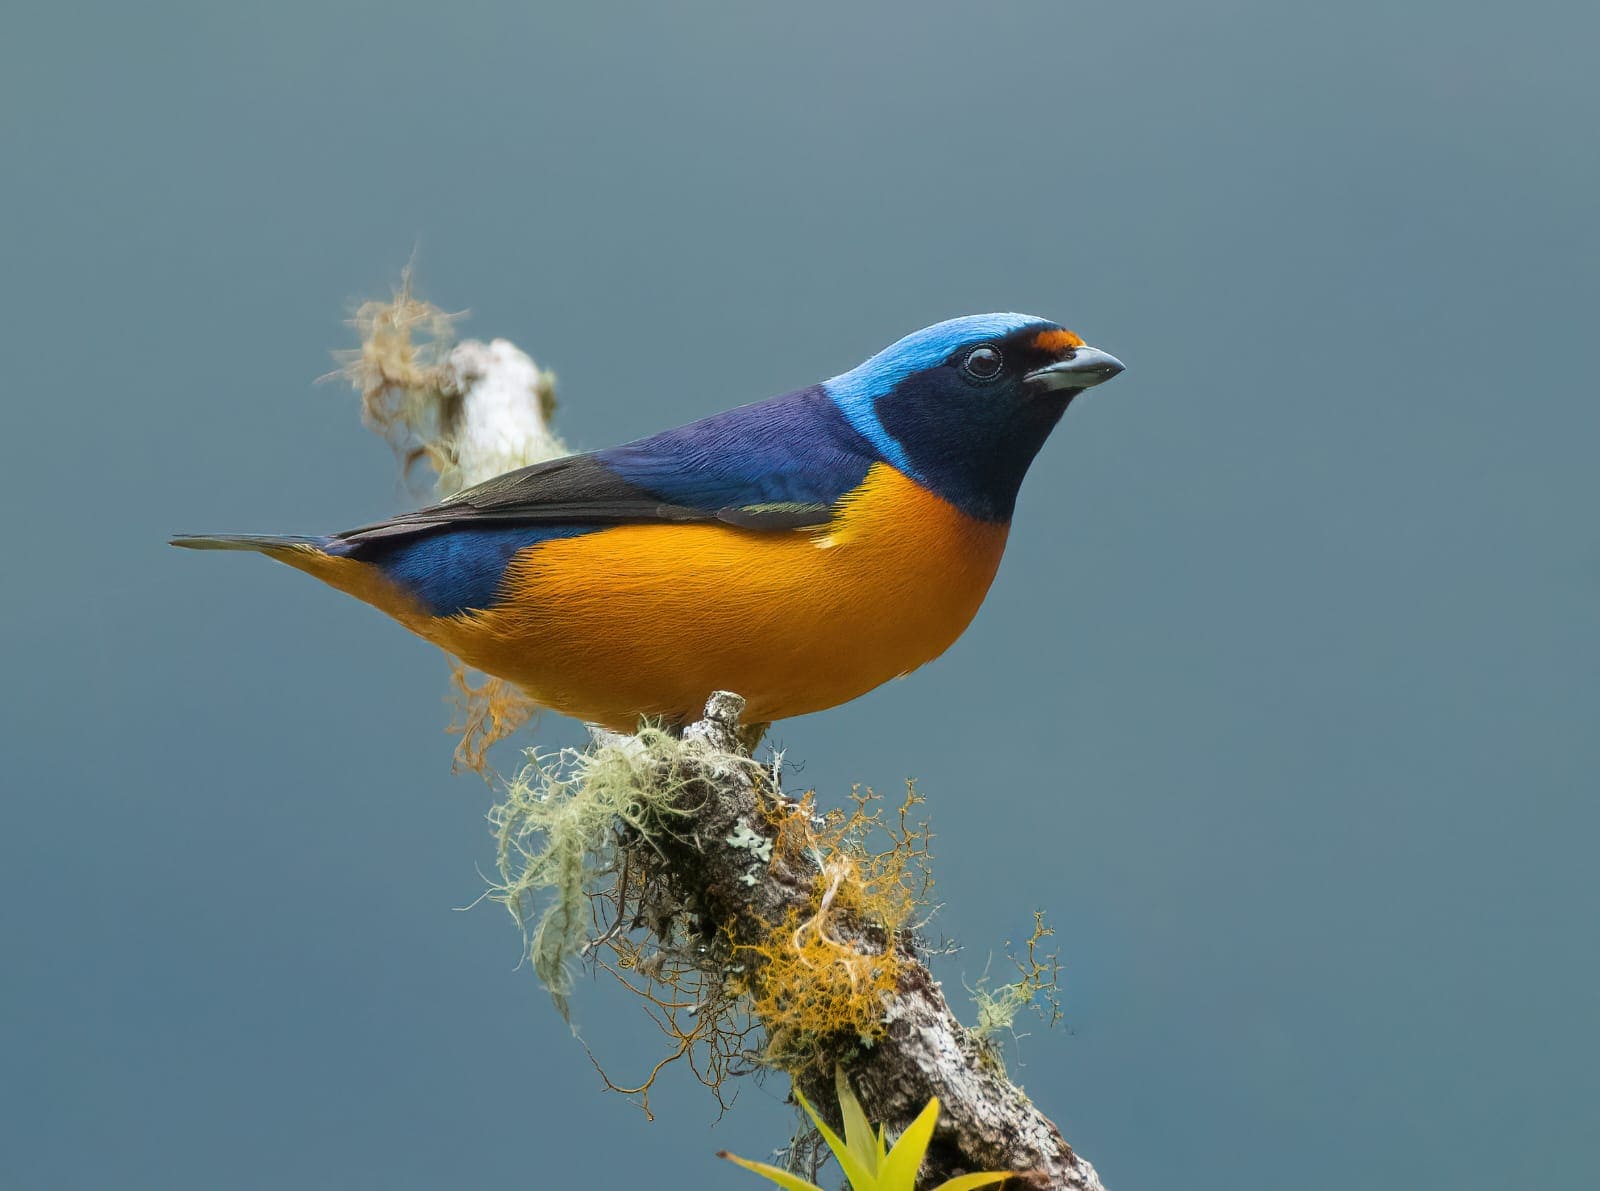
<point>487,712</point>
<point>832,968</point>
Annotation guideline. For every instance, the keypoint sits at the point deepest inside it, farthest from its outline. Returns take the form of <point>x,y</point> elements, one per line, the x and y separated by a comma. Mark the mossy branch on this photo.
<point>755,931</point>
<point>815,929</point>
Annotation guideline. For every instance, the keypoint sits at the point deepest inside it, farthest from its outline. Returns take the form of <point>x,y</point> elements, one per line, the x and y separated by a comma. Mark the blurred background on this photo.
<point>1284,706</point>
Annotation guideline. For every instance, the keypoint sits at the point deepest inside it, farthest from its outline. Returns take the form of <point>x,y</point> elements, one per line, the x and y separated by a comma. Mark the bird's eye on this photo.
<point>983,362</point>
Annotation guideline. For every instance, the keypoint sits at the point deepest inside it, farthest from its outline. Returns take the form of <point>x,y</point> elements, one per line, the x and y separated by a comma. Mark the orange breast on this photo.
<point>650,619</point>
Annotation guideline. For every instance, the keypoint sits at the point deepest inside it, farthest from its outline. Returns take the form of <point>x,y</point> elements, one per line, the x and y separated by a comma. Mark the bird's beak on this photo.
<point>1081,369</point>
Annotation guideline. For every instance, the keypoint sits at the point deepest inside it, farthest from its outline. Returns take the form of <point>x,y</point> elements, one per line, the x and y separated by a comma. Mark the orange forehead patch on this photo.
<point>1056,341</point>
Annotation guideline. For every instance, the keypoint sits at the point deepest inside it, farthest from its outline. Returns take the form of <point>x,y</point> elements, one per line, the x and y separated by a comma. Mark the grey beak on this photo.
<point>1084,368</point>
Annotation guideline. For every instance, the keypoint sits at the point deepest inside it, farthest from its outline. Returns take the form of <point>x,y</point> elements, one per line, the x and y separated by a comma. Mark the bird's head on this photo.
<point>963,406</point>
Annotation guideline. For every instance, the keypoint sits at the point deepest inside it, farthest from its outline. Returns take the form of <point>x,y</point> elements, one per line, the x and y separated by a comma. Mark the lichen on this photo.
<point>582,872</point>
<point>567,823</point>
<point>1037,986</point>
<point>831,969</point>
<point>401,373</point>
<point>488,710</point>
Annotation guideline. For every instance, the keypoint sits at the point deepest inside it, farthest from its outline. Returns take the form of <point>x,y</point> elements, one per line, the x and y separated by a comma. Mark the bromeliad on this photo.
<point>865,1158</point>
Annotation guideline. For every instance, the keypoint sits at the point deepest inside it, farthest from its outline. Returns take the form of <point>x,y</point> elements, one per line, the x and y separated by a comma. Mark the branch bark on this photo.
<point>985,1122</point>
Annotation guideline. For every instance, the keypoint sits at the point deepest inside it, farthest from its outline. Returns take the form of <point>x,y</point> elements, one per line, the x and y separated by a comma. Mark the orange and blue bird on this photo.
<point>800,551</point>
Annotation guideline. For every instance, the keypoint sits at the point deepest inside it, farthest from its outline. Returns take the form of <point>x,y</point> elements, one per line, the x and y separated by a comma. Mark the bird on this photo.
<point>799,551</point>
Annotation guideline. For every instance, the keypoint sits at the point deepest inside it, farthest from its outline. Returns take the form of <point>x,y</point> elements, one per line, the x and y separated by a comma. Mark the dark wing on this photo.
<point>781,464</point>
<point>576,490</point>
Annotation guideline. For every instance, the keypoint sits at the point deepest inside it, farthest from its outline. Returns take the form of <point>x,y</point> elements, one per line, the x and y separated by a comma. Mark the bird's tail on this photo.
<point>323,558</point>
<point>259,543</point>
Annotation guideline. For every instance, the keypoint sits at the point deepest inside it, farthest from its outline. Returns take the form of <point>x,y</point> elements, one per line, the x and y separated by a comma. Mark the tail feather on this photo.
<point>261,543</point>
<point>327,559</point>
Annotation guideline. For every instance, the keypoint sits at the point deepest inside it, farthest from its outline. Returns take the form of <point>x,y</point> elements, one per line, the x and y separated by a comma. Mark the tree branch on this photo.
<point>985,1122</point>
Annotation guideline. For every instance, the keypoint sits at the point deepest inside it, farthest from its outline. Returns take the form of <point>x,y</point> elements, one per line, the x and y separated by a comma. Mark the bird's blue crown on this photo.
<point>856,391</point>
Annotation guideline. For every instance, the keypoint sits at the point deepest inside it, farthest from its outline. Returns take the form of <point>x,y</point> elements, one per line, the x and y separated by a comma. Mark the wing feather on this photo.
<point>578,490</point>
<point>777,465</point>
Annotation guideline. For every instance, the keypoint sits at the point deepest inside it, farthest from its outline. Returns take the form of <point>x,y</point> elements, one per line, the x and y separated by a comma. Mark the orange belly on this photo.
<point>650,619</point>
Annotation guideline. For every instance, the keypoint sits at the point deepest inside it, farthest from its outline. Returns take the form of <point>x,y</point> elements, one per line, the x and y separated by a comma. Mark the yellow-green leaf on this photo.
<point>789,1182</point>
<point>971,1182</point>
<point>899,1170</point>
<point>862,1154</point>
<point>858,1135</point>
<point>861,1178</point>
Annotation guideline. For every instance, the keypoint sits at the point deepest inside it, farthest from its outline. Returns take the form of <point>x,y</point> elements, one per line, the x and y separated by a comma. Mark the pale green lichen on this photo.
<point>746,839</point>
<point>1037,987</point>
<point>565,824</point>
<point>750,840</point>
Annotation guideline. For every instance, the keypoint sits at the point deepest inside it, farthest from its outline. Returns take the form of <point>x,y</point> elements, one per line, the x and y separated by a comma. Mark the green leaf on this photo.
<point>899,1171</point>
<point>970,1182</point>
<point>861,1178</point>
<point>789,1182</point>
<point>858,1134</point>
<point>862,1156</point>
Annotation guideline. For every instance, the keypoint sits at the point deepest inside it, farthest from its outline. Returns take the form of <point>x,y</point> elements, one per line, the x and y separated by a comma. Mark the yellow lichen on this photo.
<point>487,712</point>
<point>832,968</point>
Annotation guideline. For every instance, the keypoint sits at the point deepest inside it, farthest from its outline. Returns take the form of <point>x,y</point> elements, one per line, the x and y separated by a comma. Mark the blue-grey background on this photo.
<point>1284,704</point>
